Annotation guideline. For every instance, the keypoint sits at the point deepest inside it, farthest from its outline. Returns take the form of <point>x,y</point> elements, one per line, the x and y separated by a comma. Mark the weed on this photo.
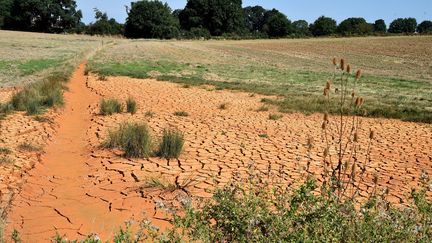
<point>5,159</point>
<point>223,106</point>
<point>172,144</point>
<point>264,135</point>
<point>41,119</point>
<point>149,114</point>
<point>131,105</point>
<point>29,147</point>
<point>16,236</point>
<point>102,78</point>
<point>4,150</point>
<point>275,117</point>
<point>110,106</point>
<point>181,113</point>
<point>133,138</point>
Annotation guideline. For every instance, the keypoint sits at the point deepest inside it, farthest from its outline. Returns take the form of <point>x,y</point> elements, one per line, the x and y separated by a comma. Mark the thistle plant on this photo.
<point>344,160</point>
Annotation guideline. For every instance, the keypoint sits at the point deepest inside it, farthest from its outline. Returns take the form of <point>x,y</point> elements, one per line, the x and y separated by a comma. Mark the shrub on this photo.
<point>172,144</point>
<point>110,106</point>
<point>181,113</point>
<point>133,138</point>
<point>131,105</point>
<point>29,147</point>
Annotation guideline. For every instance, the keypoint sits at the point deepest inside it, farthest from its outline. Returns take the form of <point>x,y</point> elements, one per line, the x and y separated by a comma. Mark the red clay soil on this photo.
<point>58,195</point>
<point>80,188</point>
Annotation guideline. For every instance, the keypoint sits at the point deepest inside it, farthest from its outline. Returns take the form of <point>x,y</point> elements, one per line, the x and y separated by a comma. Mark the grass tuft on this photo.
<point>29,147</point>
<point>275,117</point>
<point>181,113</point>
<point>110,106</point>
<point>172,144</point>
<point>223,106</point>
<point>133,138</point>
<point>131,105</point>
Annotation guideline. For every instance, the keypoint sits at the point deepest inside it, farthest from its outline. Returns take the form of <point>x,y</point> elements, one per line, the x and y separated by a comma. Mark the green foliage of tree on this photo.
<point>323,26</point>
<point>254,18</point>
<point>151,19</point>
<point>5,8</point>
<point>276,24</point>
<point>403,25</point>
<point>354,26</point>
<point>300,28</point>
<point>104,26</point>
<point>218,16</point>
<point>43,16</point>
<point>425,27</point>
<point>380,26</point>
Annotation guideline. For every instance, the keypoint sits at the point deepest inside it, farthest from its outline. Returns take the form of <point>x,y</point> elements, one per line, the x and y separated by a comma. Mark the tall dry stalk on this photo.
<point>344,160</point>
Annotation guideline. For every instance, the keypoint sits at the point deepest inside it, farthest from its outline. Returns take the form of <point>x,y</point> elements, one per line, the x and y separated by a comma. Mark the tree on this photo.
<point>104,26</point>
<point>151,19</point>
<point>5,9</point>
<point>425,27</point>
<point>354,26</point>
<point>403,25</point>
<point>43,16</point>
<point>218,16</point>
<point>254,18</point>
<point>380,26</point>
<point>276,24</point>
<point>323,26</point>
<point>301,28</point>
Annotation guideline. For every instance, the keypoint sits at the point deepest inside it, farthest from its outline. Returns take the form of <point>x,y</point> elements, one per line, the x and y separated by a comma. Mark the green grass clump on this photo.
<point>131,105</point>
<point>275,117</point>
<point>149,114</point>
<point>172,144</point>
<point>110,106</point>
<point>4,150</point>
<point>38,96</point>
<point>133,138</point>
<point>264,135</point>
<point>29,147</point>
<point>181,113</point>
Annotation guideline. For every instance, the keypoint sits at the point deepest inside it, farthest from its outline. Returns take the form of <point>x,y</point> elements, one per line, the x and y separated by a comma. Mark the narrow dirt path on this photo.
<point>58,196</point>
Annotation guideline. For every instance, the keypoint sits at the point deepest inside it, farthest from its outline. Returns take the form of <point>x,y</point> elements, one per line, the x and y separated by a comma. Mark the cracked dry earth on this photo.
<point>80,188</point>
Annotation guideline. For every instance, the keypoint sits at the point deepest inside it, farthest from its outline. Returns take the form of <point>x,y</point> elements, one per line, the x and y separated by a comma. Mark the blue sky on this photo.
<point>295,9</point>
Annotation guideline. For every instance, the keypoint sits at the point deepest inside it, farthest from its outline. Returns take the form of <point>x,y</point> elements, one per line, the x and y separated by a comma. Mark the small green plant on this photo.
<point>223,106</point>
<point>133,138</point>
<point>264,135</point>
<point>110,106</point>
<point>131,105</point>
<point>29,147</point>
<point>181,113</point>
<point>4,150</point>
<point>263,108</point>
<point>41,119</point>
<point>172,144</point>
<point>275,117</point>
<point>102,78</point>
<point>149,114</point>
<point>16,236</point>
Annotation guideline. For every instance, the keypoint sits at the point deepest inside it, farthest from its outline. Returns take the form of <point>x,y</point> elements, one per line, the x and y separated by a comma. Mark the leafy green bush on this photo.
<point>181,113</point>
<point>110,106</point>
<point>172,144</point>
<point>133,138</point>
<point>131,105</point>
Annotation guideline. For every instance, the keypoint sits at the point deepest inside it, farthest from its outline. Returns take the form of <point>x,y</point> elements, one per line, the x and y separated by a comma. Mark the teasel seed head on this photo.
<point>357,102</point>
<point>326,152</point>
<point>324,125</point>
<point>310,142</point>
<point>326,92</point>
<point>334,61</point>
<point>328,85</point>
<point>355,137</point>
<point>353,94</point>
<point>353,170</point>
<point>371,134</point>
<point>375,179</point>
<point>326,117</point>
<point>358,74</point>
<point>348,69</point>
<point>342,64</point>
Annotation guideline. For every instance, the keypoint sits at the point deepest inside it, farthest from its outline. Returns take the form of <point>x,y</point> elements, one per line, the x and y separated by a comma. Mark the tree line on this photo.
<point>199,19</point>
